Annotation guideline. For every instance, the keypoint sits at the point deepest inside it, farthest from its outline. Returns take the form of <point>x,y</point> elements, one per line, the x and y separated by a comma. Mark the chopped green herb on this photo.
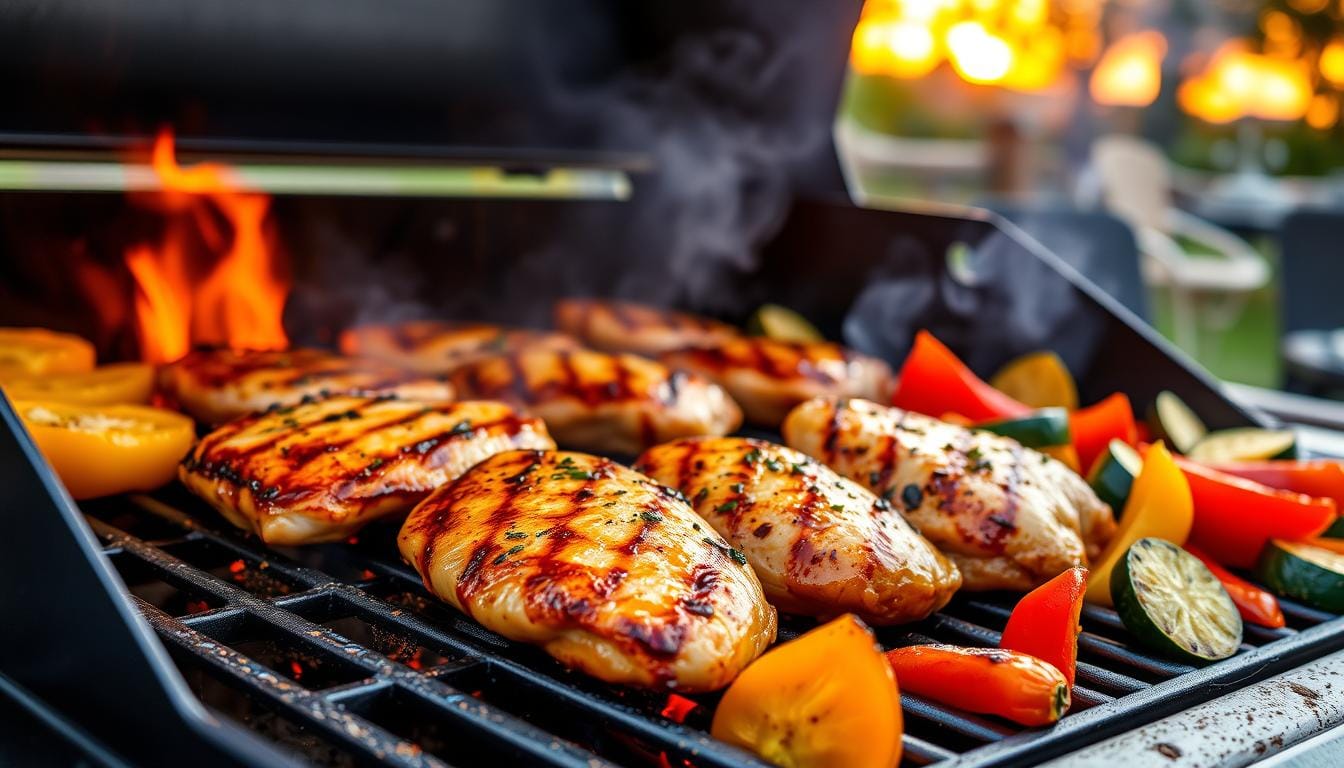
<point>874,478</point>
<point>461,428</point>
<point>515,535</point>
<point>752,456</point>
<point>838,507</point>
<point>651,517</point>
<point>797,468</point>
<point>727,506</point>
<point>515,549</point>
<point>701,494</point>
<point>736,487</point>
<point>773,465</point>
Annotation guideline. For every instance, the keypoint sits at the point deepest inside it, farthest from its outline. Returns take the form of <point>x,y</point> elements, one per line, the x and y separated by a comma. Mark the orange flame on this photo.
<point>240,300</point>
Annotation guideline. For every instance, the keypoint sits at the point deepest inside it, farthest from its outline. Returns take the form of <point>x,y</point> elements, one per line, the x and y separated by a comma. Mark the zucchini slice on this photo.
<point>1335,531</point>
<point>781,324</point>
<point>1173,421</point>
<point>1113,474</point>
<point>1041,429</point>
<point>1172,603</point>
<point>1245,444</point>
<point>1039,379</point>
<point>1298,570</point>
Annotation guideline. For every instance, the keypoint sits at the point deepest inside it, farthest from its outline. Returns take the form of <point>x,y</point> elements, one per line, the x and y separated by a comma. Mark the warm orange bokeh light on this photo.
<point>1323,112</point>
<point>1129,73</point>
<point>1022,45</point>
<point>1238,83</point>
<point>1332,62</point>
<point>239,300</point>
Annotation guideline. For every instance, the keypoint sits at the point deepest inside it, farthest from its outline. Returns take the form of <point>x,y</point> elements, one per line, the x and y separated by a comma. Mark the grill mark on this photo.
<point>469,582</point>
<point>889,459</point>
<point>832,431</point>
<point>802,552</point>
<point>995,528</point>
<point>624,315</point>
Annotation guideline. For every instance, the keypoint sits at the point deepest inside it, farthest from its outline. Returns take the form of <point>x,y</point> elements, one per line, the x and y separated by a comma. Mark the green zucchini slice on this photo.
<point>1040,429</point>
<point>1303,572</point>
<point>1113,474</point>
<point>1173,421</point>
<point>1173,604</point>
<point>1245,444</point>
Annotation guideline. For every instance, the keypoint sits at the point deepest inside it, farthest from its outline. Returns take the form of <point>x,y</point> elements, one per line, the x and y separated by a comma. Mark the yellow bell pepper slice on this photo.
<point>119,383</point>
<point>102,450</point>
<point>828,698</point>
<point>1159,506</point>
<point>34,351</point>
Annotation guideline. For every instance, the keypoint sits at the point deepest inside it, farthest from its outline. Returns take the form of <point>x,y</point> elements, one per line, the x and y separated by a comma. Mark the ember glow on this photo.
<point>203,283</point>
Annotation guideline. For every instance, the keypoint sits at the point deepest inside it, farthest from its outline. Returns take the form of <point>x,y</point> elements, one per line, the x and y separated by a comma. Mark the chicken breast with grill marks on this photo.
<point>320,470</point>
<point>767,378</point>
<point>622,326</point>
<point>604,568</point>
<point>821,544</point>
<point>1009,517</point>
<point>596,401</point>
<point>434,346</point>
<point>216,385</point>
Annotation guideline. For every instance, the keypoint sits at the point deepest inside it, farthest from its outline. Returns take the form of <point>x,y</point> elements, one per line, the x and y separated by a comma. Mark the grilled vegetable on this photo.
<point>126,383</point>
<point>1046,430</point>
<point>1172,603</point>
<point>827,698</point>
<point>1039,380</point>
<point>1044,624</point>
<point>101,450</point>
<point>1245,444</point>
<point>1113,474</point>
<point>1253,603</point>
<point>782,324</point>
<point>1235,517</point>
<point>1172,420</point>
<point>993,681</point>
<point>1093,428</point>
<point>1314,477</point>
<point>1304,571</point>
<point>933,382</point>
<point>1159,506</point>
<point>36,351</point>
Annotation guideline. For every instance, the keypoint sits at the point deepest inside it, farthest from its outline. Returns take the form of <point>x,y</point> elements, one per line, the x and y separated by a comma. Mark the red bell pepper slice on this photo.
<point>1253,603</point>
<point>1045,624</point>
<point>933,382</point>
<point>1095,426</point>
<point>1314,477</point>
<point>1234,517</point>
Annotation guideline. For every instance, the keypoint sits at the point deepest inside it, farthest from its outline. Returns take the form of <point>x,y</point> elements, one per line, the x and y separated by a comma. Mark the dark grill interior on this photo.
<point>337,652</point>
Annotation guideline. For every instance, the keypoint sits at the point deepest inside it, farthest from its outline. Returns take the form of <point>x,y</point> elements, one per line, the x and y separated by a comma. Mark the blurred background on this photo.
<point>1187,155</point>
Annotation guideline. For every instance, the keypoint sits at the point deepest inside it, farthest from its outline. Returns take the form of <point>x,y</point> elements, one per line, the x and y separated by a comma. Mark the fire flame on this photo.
<point>239,300</point>
<point>1129,73</point>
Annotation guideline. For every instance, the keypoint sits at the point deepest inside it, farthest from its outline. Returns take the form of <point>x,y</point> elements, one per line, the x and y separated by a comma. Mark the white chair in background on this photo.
<point>1211,289</point>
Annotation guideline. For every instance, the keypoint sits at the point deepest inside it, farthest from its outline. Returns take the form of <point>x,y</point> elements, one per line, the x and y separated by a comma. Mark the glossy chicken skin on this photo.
<point>602,402</point>
<point>434,346</point>
<point>1009,517</point>
<point>216,385</point>
<point>821,544</point>
<point>602,567</point>
<point>767,378</point>
<point>622,326</point>
<point>319,470</point>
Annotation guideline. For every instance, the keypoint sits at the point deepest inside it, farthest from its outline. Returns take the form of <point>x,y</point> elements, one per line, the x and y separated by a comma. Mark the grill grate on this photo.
<point>336,651</point>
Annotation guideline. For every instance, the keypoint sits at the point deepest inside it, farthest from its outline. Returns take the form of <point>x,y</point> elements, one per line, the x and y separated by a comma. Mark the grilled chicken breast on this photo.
<point>1009,517</point>
<point>621,326</point>
<point>434,346</point>
<point>602,402</point>
<point>821,544</point>
<point>319,470</point>
<point>217,385</point>
<point>767,377</point>
<point>605,569</point>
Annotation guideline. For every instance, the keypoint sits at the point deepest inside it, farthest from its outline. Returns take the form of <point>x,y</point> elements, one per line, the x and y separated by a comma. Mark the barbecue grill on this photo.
<point>144,629</point>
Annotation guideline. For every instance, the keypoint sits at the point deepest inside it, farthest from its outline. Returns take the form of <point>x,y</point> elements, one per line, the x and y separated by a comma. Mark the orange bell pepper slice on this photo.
<point>825,699</point>
<point>37,351</point>
<point>1044,623</point>
<point>1235,517</point>
<point>1253,603</point>
<point>933,382</point>
<point>993,681</point>
<point>1095,426</point>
